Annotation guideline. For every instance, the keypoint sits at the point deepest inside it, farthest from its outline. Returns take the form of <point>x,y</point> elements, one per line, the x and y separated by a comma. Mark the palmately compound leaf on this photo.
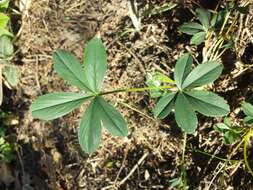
<point>198,38</point>
<point>112,120</point>
<point>191,28</point>
<point>164,105</point>
<point>204,17</point>
<point>207,103</point>
<point>182,69</point>
<point>203,74</point>
<point>95,63</point>
<point>54,105</point>
<point>89,133</point>
<point>69,68</point>
<point>185,115</point>
<point>247,109</point>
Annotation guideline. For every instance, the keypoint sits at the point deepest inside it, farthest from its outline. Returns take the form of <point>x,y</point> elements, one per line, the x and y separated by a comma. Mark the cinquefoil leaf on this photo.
<point>247,109</point>
<point>89,133</point>
<point>191,28</point>
<point>164,105</point>
<point>112,120</point>
<point>69,68</point>
<point>182,69</point>
<point>207,103</point>
<point>185,115</point>
<point>203,74</point>
<point>54,105</point>
<point>95,63</point>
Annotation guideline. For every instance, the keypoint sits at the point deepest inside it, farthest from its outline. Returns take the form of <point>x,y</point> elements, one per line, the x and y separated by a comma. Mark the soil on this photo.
<point>48,153</point>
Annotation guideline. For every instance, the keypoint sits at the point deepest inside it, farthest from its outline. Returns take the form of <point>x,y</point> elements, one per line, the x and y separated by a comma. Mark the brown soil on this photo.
<point>49,157</point>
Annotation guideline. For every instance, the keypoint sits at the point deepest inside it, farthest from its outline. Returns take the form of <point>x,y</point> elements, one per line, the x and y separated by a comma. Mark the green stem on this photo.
<point>136,90</point>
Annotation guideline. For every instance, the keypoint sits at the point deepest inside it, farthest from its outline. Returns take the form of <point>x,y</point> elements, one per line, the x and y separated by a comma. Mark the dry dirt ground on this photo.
<point>48,154</point>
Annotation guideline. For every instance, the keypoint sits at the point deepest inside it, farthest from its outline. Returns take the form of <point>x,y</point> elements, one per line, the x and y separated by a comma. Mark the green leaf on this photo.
<point>11,74</point>
<point>185,115</point>
<point>248,120</point>
<point>6,47</point>
<point>247,109</point>
<point>112,120</point>
<point>204,17</point>
<point>219,18</point>
<point>164,105</point>
<point>227,121</point>
<point>221,127</point>
<point>4,4</point>
<point>198,38</point>
<point>4,19</point>
<point>69,68</point>
<point>5,32</point>
<point>191,28</point>
<point>182,69</point>
<point>95,63</point>
<point>230,137</point>
<point>207,103</point>
<point>203,74</point>
<point>54,105</point>
<point>89,133</point>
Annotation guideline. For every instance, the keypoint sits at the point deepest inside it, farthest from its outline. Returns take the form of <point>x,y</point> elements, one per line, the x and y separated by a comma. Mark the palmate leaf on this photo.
<point>54,105</point>
<point>185,115</point>
<point>198,38</point>
<point>203,74</point>
<point>207,103</point>
<point>182,69</point>
<point>69,68</point>
<point>191,28</point>
<point>164,105</point>
<point>95,63</point>
<point>100,112</point>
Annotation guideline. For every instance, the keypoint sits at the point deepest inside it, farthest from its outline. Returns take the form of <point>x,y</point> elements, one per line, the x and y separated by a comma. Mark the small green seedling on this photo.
<point>186,100</point>
<point>231,133</point>
<point>198,30</point>
<point>88,77</point>
<point>208,24</point>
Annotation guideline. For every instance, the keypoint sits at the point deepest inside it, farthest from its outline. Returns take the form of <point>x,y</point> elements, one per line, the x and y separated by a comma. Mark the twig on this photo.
<point>133,169</point>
